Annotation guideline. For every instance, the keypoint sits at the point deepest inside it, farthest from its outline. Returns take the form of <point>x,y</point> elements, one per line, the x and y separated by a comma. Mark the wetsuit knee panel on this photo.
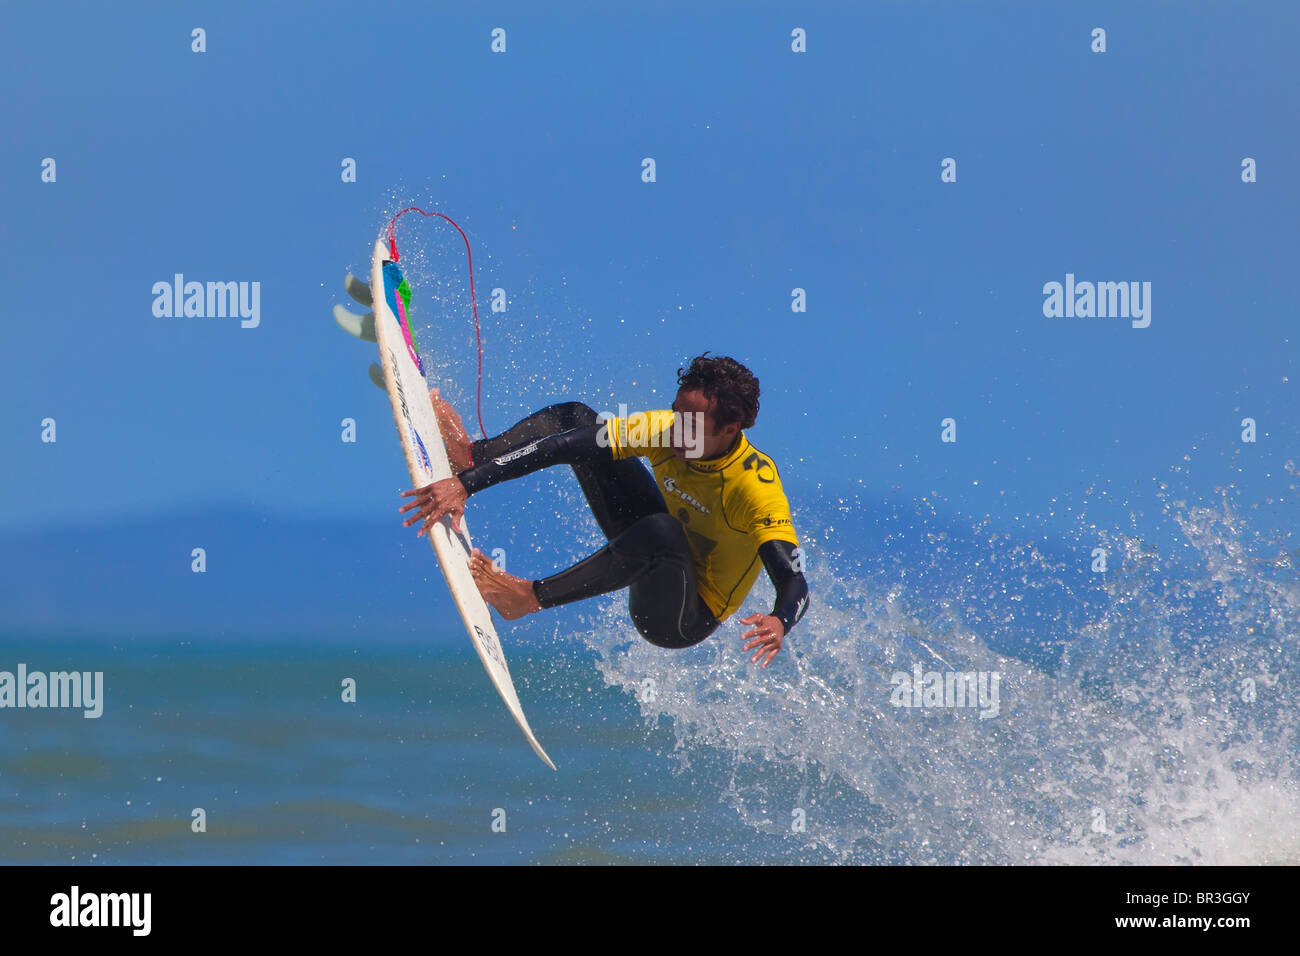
<point>663,626</point>
<point>656,534</point>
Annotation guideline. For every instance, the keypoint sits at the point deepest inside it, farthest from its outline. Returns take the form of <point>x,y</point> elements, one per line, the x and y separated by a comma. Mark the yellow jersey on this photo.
<point>728,506</point>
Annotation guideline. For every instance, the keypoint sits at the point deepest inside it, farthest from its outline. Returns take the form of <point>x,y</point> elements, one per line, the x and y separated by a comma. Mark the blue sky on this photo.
<point>775,170</point>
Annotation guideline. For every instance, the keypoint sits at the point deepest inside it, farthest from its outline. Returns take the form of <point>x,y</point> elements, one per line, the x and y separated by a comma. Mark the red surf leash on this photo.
<point>478,339</point>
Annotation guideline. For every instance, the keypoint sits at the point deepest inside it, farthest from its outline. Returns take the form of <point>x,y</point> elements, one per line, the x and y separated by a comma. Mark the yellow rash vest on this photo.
<point>728,506</point>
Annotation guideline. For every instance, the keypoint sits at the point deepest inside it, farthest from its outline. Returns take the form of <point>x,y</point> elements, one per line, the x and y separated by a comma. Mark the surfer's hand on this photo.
<point>446,497</point>
<point>767,633</point>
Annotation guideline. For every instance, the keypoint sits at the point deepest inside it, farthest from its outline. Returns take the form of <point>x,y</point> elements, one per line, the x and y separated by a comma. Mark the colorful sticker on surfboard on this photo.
<point>397,293</point>
<point>424,454</point>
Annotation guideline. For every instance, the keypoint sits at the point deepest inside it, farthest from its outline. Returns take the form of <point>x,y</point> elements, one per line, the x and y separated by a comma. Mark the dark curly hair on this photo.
<point>724,381</point>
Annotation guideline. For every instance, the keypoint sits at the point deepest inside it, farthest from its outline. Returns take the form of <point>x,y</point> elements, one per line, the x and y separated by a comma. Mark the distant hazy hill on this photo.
<point>275,578</point>
<point>265,576</point>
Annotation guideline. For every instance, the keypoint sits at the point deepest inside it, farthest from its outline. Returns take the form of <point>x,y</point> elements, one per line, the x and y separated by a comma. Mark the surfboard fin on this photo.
<point>360,326</point>
<point>358,290</point>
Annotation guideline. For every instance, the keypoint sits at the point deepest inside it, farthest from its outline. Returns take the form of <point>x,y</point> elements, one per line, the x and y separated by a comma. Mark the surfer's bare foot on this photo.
<point>511,596</point>
<point>453,431</point>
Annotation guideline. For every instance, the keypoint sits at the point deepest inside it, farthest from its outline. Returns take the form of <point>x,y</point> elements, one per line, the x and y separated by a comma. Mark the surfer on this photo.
<point>686,540</point>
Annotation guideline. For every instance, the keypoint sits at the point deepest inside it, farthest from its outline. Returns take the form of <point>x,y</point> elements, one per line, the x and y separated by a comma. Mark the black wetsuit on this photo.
<point>647,550</point>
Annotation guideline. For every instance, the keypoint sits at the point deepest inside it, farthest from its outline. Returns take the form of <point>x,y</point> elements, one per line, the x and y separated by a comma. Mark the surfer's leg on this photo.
<point>454,437</point>
<point>653,559</point>
<point>620,493</point>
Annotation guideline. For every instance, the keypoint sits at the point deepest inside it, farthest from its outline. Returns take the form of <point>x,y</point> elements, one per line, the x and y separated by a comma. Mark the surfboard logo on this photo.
<point>401,393</point>
<point>490,644</point>
<point>424,454</point>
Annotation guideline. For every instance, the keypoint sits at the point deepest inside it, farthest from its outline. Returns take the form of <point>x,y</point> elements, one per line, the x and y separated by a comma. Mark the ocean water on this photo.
<point>286,772</point>
<point>1144,715</point>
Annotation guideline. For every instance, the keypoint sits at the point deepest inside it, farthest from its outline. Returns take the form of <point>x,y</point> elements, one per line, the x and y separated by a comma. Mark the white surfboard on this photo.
<point>426,460</point>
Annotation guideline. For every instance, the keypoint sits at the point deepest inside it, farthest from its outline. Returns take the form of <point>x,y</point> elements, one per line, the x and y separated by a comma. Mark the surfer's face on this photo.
<point>698,437</point>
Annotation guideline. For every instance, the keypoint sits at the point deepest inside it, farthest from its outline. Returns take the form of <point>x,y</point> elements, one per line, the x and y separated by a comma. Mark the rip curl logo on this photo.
<point>517,453</point>
<point>671,487</point>
<point>760,465</point>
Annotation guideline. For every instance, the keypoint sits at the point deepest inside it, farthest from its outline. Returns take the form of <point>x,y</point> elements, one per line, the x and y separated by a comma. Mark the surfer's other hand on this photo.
<point>446,497</point>
<point>767,633</point>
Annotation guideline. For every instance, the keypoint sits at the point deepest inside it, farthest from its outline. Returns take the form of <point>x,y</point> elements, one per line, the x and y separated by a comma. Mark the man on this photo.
<point>686,542</point>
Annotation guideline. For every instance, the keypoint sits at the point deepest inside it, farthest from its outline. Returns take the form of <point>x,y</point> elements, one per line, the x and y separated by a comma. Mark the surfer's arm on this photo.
<point>765,513</point>
<point>575,446</point>
<point>791,586</point>
<point>768,631</point>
